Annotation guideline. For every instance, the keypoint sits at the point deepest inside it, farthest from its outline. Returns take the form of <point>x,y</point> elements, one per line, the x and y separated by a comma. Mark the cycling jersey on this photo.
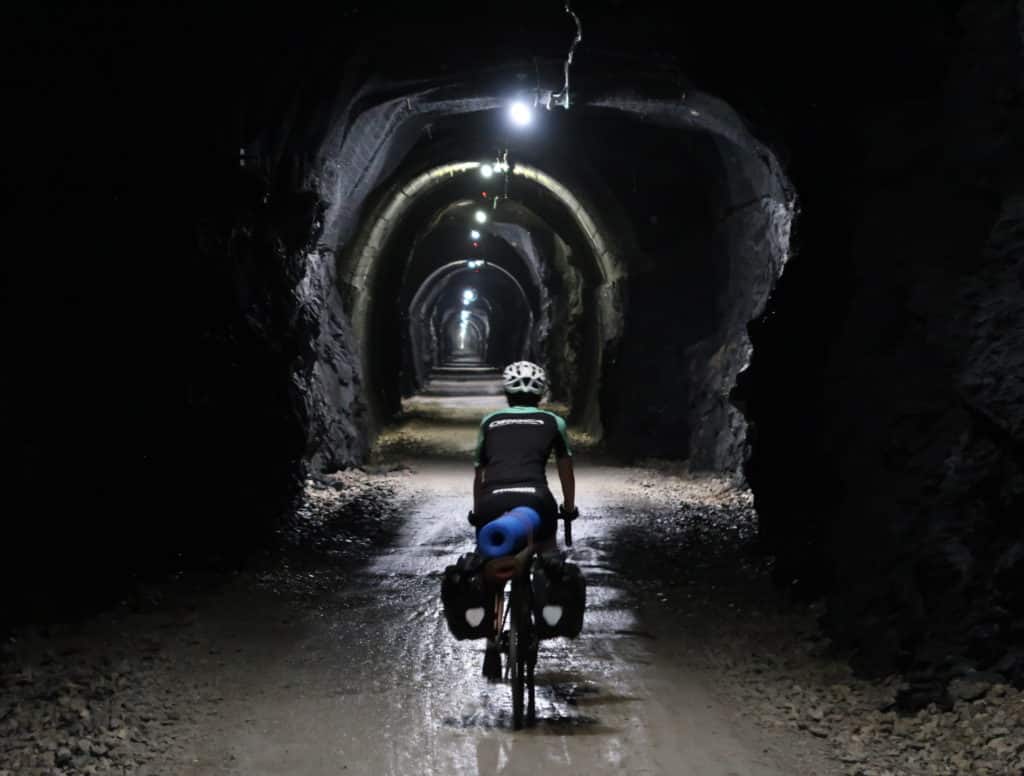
<point>515,444</point>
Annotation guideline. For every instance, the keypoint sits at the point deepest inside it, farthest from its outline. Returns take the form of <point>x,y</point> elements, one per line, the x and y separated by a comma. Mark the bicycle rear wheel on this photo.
<point>517,651</point>
<point>531,705</point>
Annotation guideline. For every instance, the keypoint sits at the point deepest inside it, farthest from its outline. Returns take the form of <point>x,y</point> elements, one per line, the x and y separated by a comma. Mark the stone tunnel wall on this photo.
<point>911,524</point>
<point>713,226</point>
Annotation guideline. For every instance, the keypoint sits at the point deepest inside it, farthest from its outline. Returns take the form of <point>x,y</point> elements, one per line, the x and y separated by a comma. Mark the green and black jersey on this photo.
<point>515,444</point>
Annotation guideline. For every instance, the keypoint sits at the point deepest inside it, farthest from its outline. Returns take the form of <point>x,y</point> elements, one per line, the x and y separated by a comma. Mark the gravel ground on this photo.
<point>120,694</point>
<point>92,701</point>
<point>131,692</point>
<point>775,663</point>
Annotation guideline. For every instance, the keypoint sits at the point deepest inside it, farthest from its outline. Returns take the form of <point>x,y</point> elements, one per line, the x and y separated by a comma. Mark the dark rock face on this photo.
<point>913,526</point>
<point>714,251</point>
<point>328,379</point>
<point>273,385</point>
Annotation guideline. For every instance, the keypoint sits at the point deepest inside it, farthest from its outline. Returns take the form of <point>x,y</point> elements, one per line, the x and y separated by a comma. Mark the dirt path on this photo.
<point>371,682</point>
<point>329,655</point>
<point>334,658</point>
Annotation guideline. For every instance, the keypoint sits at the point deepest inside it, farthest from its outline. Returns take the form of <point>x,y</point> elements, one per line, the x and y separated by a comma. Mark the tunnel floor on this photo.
<point>330,654</point>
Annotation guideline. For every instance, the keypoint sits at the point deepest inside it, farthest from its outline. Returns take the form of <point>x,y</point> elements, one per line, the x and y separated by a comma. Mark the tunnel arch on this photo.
<point>442,299</point>
<point>755,210</point>
<point>359,273</point>
<point>367,248</point>
<point>425,297</point>
<point>509,245</point>
<point>476,320</point>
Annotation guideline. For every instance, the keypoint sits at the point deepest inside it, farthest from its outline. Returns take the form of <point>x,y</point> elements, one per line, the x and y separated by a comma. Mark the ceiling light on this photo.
<point>520,113</point>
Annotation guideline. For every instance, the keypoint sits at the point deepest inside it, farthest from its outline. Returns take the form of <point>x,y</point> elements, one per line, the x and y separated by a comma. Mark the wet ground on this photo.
<point>330,655</point>
<point>368,680</point>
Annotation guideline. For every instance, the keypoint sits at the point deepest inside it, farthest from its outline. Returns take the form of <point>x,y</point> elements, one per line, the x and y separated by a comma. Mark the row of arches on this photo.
<point>596,286</point>
<point>538,284</point>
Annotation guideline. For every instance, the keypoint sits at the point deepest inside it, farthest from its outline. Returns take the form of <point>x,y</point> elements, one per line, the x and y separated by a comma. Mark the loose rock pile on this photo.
<point>983,736</point>
<point>702,565</point>
<point>114,697</point>
<point>780,666</point>
<point>90,713</point>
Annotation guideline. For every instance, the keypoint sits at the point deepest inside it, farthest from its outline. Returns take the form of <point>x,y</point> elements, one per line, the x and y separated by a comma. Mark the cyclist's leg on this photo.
<point>491,507</point>
<point>546,506</point>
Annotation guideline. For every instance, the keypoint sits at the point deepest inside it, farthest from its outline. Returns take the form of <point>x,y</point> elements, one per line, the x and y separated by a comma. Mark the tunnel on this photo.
<point>581,252</point>
<point>247,249</point>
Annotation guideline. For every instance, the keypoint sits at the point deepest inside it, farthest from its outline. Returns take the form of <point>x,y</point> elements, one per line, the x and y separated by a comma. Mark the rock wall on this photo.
<point>909,524</point>
<point>561,335</point>
<point>273,386</point>
<point>713,252</point>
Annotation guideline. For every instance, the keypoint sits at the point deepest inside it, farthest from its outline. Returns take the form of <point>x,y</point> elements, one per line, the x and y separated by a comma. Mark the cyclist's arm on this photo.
<point>568,479</point>
<point>563,458</point>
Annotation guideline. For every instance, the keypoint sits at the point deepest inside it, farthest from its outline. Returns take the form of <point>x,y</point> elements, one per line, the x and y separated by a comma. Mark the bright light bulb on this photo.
<point>481,217</point>
<point>487,171</point>
<point>474,235</point>
<point>520,113</point>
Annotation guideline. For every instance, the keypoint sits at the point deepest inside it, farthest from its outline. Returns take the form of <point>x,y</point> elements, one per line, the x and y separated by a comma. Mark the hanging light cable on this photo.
<point>562,97</point>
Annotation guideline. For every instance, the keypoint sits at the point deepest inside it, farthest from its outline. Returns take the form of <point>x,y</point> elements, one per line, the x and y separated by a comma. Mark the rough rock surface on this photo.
<point>275,381</point>
<point>913,530</point>
<point>93,710</point>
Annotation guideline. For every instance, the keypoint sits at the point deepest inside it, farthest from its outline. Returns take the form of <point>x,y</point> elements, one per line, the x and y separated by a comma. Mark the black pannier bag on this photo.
<point>559,598</point>
<point>468,606</point>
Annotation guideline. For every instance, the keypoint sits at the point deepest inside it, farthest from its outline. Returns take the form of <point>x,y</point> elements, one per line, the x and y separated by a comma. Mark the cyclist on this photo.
<point>513,448</point>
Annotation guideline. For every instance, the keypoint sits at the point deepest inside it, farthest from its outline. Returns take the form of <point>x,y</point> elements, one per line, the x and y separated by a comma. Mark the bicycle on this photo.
<point>522,644</point>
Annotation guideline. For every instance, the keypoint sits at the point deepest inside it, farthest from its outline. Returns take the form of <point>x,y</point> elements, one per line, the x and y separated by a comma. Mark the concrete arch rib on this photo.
<point>420,315</point>
<point>362,261</point>
<point>367,250</point>
<point>432,283</point>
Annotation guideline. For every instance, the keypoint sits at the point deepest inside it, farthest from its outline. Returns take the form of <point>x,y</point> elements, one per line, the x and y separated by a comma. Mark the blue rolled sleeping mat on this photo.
<point>509,533</point>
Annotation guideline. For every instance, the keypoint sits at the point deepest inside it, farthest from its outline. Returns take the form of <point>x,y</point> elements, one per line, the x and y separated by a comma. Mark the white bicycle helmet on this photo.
<point>525,377</point>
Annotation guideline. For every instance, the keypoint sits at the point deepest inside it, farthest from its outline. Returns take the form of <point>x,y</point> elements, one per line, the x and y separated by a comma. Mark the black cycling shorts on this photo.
<point>499,499</point>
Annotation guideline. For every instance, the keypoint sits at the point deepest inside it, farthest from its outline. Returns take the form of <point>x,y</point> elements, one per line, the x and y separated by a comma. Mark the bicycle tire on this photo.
<point>517,653</point>
<point>531,705</point>
<point>530,646</point>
